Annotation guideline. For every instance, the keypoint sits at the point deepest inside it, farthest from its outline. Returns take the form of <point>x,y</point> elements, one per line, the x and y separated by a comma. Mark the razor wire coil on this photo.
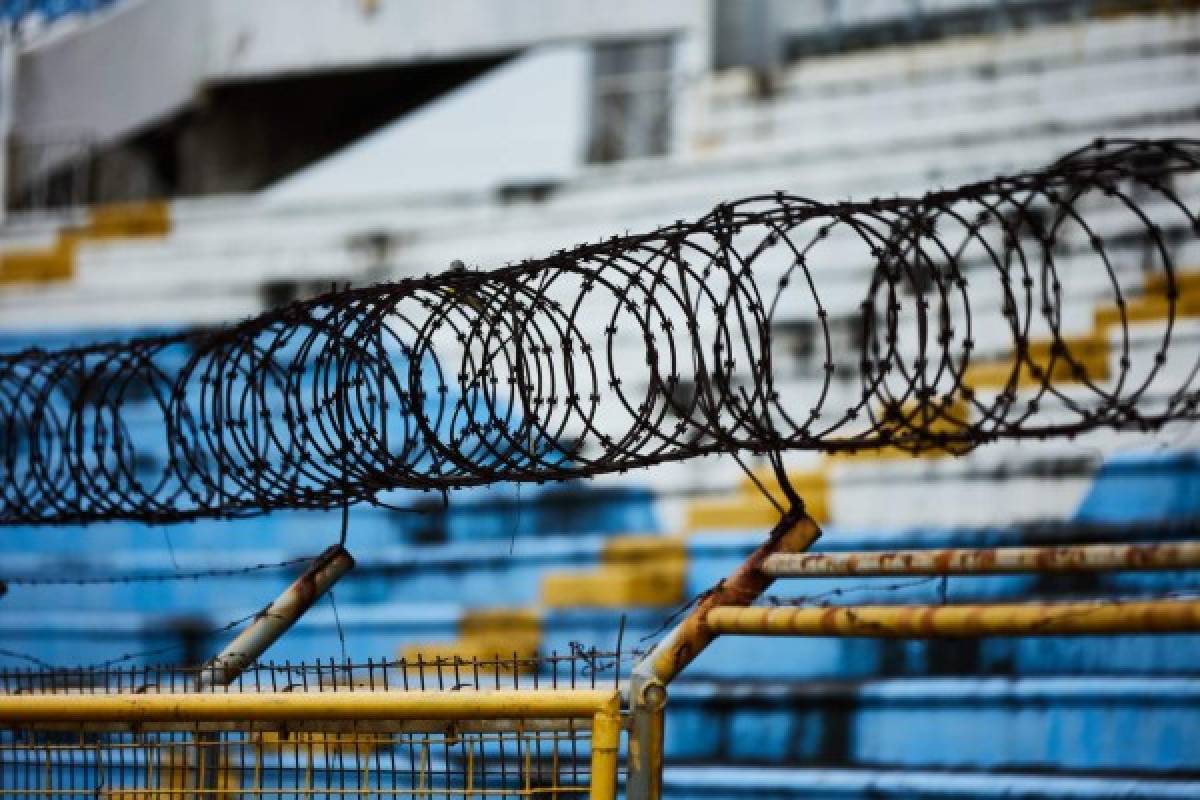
<point>640,350</point>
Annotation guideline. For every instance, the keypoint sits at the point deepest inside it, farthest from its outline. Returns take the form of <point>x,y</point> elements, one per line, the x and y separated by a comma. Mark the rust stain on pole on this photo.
<point>274,620</point>
<point>648,680</point>
<point>1002,619</point>
<point>681,646</point>
<point>270,623</point>
<point>987,561</point>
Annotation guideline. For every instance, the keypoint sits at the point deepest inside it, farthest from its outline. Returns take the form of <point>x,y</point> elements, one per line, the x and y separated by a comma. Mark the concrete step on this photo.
<point>1092,724</point>
<point>717,781</point>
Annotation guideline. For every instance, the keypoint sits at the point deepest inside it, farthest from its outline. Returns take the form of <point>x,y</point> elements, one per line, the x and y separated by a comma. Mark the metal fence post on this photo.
<point>276,619</point>
<point>606,746</point>
<point>795,532</point>
<point>647,700</point>
<point>270,623</point>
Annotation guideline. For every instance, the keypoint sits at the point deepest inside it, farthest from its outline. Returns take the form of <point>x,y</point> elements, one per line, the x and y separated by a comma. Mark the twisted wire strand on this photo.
<point>640,350</point>
<point>55,580</point>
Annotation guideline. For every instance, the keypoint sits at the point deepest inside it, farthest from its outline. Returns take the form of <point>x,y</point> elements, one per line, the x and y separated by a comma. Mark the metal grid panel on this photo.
<point>525,760</point>
<point>430,728</point>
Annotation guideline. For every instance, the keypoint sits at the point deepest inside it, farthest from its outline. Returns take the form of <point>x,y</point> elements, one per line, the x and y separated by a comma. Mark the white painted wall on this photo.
<point>114,75</point>
<point>125,70</point>
<point>265,37</point>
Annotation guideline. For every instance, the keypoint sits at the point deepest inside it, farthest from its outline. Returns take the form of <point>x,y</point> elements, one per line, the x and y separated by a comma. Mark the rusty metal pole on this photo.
<point>795,532</point>
<point>987,560</point>
<point>270,623</point>
<point>275,620</point>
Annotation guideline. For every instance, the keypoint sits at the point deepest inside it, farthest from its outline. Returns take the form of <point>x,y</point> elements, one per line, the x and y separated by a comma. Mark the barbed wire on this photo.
<point>1030,533</point>
<point>578,666</point>
<point>27,657</point>
<point>142,655</point>
<point>635,351</point>
<point>154,577</point>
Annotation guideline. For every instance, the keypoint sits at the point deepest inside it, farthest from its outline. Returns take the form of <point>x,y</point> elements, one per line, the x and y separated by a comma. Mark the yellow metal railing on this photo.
<point>991,619</point>
<point>728,609</point>
<point>351,743</point>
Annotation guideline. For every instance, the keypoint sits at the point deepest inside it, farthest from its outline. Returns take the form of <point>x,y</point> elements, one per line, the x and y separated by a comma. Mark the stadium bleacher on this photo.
<point>558,567</point>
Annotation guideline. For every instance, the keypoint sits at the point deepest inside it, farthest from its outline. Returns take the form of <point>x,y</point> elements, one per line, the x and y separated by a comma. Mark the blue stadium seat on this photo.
<point>1144,486</point>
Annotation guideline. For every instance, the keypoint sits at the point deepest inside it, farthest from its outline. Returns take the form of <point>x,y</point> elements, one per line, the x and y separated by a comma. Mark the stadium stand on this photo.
<point>498,573</point>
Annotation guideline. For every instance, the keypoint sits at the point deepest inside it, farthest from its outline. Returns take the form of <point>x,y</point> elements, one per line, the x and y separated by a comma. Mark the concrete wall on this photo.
<point>118,74</point>
<point>127,70</point>
<point>254,40</point>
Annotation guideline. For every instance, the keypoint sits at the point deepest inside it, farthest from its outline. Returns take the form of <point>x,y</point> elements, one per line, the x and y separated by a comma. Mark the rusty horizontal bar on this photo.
<point>987,560</point>
<point>1002,619</point>
<point>287,706</point>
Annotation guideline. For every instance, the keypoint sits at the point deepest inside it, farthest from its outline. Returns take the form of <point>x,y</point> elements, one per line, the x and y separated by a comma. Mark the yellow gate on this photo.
<point>352,742</point>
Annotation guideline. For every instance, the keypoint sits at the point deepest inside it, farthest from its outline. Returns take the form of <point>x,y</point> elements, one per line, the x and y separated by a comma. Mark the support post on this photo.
<point>270,623</point>
<point>606,745</point>
<point>647,701</point>
<point>276,619</point>
<point>795,532</point>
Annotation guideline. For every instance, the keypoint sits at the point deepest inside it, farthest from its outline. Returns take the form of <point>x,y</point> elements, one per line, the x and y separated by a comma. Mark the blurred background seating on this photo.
<point>173,163</point>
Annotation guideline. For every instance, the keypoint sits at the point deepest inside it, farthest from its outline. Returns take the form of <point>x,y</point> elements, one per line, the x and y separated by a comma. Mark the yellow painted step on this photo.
<point>747,509</point>
<point>811,485</point>
<point>523,622</point>
<point>38,266</point>
<point>640,549</point>
<point>129,220</point>
<point>735,512</point>
<point>1069,360</point>
<point>913,424</point>
<point>486,635</point>
<point>617,586</point>
<point>1152,308</point>
<point>57,263</point>
<point>1186,282</point>
<point>633,571</point>
<point>994,375</point>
